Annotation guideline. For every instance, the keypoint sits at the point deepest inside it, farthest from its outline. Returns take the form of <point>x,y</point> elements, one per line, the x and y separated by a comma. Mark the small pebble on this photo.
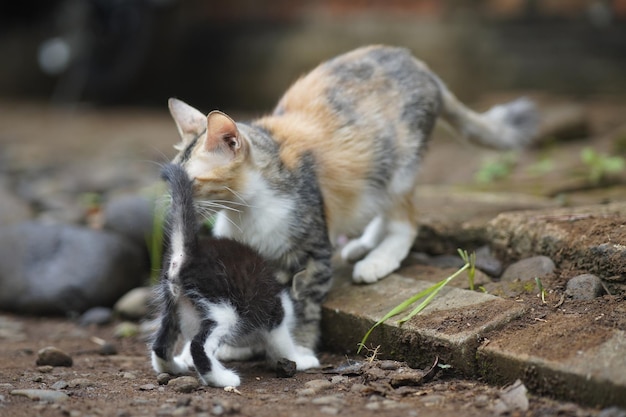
<point>185,384</point>
<point>147,387</point>
<point>80,383</point>
<point>45,369</point>
<point>54,357</point>
<point>285,368</point>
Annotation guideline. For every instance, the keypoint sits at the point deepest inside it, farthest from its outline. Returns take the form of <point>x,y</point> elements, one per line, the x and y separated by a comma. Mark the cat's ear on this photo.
<point>190,122</point>
<point>222,134</point>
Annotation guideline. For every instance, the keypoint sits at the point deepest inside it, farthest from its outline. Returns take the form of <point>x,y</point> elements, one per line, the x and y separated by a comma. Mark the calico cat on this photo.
<point>339,155</point>
<point>217,293</point>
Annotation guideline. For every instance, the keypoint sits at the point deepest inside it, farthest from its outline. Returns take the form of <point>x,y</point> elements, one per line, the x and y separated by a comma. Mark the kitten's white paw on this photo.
<point>354,250</point>
<point>159,365</point>
<point>182,364</point>
<point>221,378</point>
<point>305,362</point>
<point>369,271</point>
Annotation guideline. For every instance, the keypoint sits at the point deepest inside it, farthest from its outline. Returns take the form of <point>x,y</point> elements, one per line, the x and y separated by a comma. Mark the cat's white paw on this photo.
<point>369,271</point>
<point>354,250</point>
<point>221,378</point>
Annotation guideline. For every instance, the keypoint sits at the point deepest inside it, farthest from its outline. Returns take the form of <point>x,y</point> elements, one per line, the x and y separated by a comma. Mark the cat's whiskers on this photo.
<point>207,212</point>
<point>216,205</point>
<point>238,195</point>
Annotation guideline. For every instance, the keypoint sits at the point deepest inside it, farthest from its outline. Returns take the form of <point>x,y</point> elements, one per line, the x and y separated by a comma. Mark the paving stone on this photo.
<point>451,327</point>
<point>593,372</point>
<point>589,238</point>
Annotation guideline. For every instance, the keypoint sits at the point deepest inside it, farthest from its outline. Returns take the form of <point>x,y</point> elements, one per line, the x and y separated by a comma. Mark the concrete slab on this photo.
<point>451,327</point>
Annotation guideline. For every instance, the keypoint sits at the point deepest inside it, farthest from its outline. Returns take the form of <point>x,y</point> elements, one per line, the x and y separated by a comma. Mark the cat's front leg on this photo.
<point>387,256</point>
<point>357,249</point>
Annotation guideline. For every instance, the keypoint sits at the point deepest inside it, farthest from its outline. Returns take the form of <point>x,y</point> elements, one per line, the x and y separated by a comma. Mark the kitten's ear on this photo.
<point>299,284</point>
<point>190,122</point>
<point>222,134</point>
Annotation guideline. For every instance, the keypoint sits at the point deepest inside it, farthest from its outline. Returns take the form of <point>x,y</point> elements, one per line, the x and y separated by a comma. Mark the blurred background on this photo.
<point>84,123</point>
<point>244,53</point>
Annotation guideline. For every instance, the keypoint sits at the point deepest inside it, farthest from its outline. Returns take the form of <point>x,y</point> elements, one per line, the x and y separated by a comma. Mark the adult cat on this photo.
<point>339,155</point>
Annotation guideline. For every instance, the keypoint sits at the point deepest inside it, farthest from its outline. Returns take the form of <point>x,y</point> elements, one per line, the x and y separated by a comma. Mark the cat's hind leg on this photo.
<point>399,235</point>
<point>206,343</point>
<point>164,343</point>
<point>358,248</point>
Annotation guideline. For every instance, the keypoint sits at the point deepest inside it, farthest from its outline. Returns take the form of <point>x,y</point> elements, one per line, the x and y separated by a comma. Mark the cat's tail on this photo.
<point>182,217</point>
<point>504,126</point>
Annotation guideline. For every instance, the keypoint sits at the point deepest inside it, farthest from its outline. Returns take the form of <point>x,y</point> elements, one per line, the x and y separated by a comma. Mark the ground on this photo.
<point>125,385</point>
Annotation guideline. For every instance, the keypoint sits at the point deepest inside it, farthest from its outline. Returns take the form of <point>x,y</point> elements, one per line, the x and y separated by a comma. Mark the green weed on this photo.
<point>599,166</point>
<point>428,294</point>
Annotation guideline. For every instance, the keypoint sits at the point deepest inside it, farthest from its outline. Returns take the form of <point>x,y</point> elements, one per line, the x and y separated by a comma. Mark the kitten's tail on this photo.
<point>504,126</point>
<point>182,216</point>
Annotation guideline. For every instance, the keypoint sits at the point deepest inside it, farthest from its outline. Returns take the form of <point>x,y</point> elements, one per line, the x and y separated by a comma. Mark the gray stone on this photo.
<point>584,287</point>
<point>96,315</point>
<point>130,215</point>
<point>60,268</point>
<point>135,304</point>
<point>47,395</point>
<point>12,208</point>
<point>529,269</point>
<point>54,357</point>
<point>487,262</point>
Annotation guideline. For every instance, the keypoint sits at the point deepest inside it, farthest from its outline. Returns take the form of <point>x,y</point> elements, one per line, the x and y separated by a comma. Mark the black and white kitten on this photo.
<point>218,293</point>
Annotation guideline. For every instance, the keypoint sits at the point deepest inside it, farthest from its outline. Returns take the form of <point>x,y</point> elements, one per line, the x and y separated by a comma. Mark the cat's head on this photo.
<point>212,150</point>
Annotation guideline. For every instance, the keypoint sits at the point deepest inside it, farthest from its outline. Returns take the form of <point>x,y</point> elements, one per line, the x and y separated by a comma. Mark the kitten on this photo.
<point>339,155</point>
<point>216,291</point>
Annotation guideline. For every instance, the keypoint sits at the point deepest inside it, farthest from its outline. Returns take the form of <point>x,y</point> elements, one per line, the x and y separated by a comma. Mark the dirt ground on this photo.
<point>124,384</point>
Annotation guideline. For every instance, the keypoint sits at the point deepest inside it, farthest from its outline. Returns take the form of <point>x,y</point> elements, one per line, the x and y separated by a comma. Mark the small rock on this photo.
<point>107,349</point>
<point>54,357</point>
<point>339,379</point>
<point>60,385</point>
<point>96,315</point>
<point>45,369</point>
<point>129,375</point>
<point>486,262</point>
<point>529,269</point>
<point>80,383</point>
<point>147,387</point>
<point>612,412</point>
<point>135,304</point>
<point>387,365</point>
<point>333,411</point>
<point>285,368</point>
<point>407,378</point>
<point>46,395</point>
<point>314,386</point>
<point>584,287</point>
<point>333,400</point>
<point>184,384</point>
<point>514,397</point>
<point>163,378</point>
